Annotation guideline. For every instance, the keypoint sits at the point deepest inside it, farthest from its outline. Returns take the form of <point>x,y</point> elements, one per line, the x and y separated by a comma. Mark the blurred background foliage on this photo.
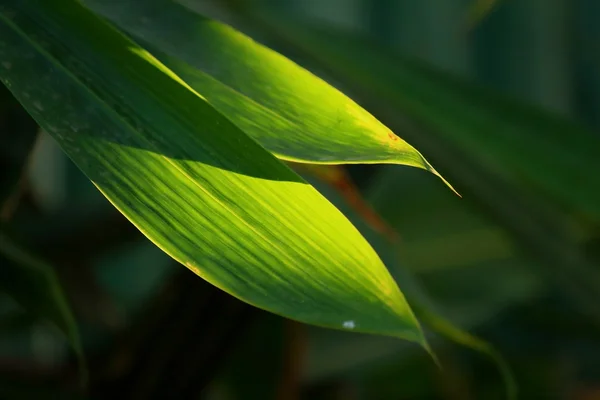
<point>503,97</point>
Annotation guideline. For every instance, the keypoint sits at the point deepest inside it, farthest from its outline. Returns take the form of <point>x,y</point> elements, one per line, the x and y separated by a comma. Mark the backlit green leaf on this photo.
<point>191,181</point>
<point>537,150</point>
<point>291,112</point>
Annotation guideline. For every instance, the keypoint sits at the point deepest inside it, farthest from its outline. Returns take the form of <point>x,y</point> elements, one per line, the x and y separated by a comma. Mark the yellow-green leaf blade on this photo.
<point>190,180</point>
<point>291,112</point>
<point>535,149</point>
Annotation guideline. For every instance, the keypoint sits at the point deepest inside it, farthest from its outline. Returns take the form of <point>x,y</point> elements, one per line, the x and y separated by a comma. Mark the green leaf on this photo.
<point>34,285</point>
<point>191,181</point>
<point>291,112</point>
<point>535,149</point>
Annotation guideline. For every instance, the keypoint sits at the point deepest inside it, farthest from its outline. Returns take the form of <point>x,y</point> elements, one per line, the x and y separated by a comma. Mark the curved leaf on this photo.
<point>190,180</point>
<point>520,143</point>
<point>291,112</point>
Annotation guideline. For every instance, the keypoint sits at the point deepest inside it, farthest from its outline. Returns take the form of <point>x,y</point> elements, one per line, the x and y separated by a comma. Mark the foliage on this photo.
<point>224,155</point>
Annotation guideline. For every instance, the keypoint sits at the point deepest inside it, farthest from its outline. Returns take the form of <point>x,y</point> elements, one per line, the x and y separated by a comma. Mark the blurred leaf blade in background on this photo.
<point>265,94</point>
<point>447,329</point>
<point>34,285</point>
<point>208,195</point>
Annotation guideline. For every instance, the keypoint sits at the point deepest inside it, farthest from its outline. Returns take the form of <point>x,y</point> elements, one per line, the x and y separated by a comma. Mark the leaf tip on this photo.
<point>433,171</point>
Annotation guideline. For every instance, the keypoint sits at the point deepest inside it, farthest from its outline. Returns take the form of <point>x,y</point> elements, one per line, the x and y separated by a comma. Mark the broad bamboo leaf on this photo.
<point>191,181</point>
<point>291,112</point>
<point>34,285</point>
<point>538,150</point>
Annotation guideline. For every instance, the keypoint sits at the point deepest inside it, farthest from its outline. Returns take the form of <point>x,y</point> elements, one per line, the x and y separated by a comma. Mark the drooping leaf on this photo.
<point>291,112</point>
<point>34,285</point>
<point>191,181</point>
<point>538,150</point>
